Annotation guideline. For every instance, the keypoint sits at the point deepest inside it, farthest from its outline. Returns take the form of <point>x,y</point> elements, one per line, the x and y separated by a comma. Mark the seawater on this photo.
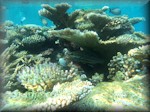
<point>16,10</point>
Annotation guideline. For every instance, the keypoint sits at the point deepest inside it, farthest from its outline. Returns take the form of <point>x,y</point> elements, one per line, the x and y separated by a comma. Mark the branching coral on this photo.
<point>12,61</point>
<point>44,76</point>
<point>123,67</point>
<point>63,95</point>
<point>59,15</point>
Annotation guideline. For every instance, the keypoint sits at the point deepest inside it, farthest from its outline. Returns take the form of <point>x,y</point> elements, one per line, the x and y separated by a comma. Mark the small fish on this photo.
<point>115,11</point>
<point>44,22</point>
<point>22,20</point>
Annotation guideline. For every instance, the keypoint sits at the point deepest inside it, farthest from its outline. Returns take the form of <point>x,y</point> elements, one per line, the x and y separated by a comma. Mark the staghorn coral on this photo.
<point>59,15</point>
<point>123,67</point>
<point>63,95</point>
<point>13,60</point>
<point>44,76</point>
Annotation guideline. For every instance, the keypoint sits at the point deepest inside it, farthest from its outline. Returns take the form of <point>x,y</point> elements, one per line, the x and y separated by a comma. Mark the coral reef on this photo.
<point>44,76</point>
<point>123,67</point>
<point>131,95</point>
<point>106,26</point>
<point>63,95</point>
<point>91,41</point>
<point>141,53</point>
<point>13,61</point>
<point>59,15</point>
<point>55,68</point>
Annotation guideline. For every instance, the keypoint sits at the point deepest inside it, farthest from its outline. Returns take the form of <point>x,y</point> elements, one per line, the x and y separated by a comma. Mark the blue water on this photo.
<point>14,11</point>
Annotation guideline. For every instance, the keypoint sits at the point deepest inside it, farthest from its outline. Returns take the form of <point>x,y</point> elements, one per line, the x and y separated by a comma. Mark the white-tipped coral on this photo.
<point>63,95</point>
<point>44,76</point>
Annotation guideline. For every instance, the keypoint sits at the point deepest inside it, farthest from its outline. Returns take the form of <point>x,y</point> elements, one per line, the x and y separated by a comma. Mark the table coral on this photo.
<point>90,40</point>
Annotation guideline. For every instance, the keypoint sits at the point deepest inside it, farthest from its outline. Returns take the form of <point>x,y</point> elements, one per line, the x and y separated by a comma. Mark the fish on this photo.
<point>22,20</point>
<point>86,57</point>
<point>44,21</point>
<point>115,11</point>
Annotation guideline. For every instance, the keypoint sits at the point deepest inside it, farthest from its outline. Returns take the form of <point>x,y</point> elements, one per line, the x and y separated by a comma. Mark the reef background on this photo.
<point>87,60</point>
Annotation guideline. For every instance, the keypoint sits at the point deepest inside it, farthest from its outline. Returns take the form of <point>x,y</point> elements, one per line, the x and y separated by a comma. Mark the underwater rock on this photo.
<point>44,76</point>
<point>131,95</point>
<point>123,67</point>
<point>58,15</point>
